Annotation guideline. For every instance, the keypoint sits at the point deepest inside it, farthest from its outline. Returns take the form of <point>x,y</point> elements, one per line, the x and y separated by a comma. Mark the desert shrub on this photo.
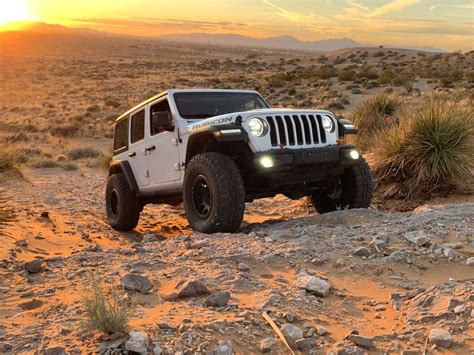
<point>66,131</point>
<point>105,311</point>
<point>110,101</point>
<point>379,54</point>
<point>83,153</point>
<point>346,75</point>
<point>69,166</point>
<point>372,116</point>
<point>45,164</point>
<point>430,149</point>
<point>93,109</point>
<point>7,157</point>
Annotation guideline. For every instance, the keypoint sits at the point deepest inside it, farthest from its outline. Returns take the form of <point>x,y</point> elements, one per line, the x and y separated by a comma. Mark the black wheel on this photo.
<point>214,194</point>
<point>122,205</point>
<point>354,190</point>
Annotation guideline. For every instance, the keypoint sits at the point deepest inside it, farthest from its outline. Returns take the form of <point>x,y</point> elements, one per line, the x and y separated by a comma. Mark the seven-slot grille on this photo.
<point>296,130</point>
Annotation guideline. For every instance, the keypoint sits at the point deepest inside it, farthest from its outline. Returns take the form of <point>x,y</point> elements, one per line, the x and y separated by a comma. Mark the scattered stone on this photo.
<point>243,267</point>
<point>56,351</point>
<point>419,238</point>
<point>21,243</point>
<point>61,157</point>
<point>33,304</point>
<point>460,309</point>
<point>290,317</point>
<point>138,343</point>
<point>135,282</point>
<point>440,337</point>
<point>192,288</point>
<point>305,344</point>
<point>470,261</point>
<point>219,299</point>
<point>224,348</point>
<point>165,326</point>
<point>313,284</point>
<point>321,331</point>
<point>151,238</point>
<point>292,333</point>
<point>360,340</point>
<point>173,296</point>
<point>34,266</point>
<point>267,344</point>
<point>156,349</point>
<point>44,214</point>
<point>397,256</point>
<point>361,251</point>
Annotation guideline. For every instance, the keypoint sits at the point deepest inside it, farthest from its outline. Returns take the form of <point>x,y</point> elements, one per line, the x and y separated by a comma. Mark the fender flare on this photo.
<point>123,167</point>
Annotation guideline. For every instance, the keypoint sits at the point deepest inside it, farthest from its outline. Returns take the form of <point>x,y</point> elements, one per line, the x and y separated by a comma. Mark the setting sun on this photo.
<point>13,10</point>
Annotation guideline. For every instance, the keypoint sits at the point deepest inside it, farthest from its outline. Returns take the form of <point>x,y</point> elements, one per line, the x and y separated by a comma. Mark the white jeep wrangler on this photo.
<point>214,150</point>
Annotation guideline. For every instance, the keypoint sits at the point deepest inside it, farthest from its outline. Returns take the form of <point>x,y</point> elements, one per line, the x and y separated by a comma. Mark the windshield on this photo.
<point>199,105</point>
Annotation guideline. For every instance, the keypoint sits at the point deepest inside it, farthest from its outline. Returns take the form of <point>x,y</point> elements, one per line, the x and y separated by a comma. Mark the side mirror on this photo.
<point>162,119</point>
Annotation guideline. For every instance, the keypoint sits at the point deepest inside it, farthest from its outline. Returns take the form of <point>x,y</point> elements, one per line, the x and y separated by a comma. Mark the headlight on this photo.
<point>258,127</point>
<point>328,124</point>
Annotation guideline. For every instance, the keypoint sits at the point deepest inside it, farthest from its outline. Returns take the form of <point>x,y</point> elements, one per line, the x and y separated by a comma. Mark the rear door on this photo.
<point>137,155</point>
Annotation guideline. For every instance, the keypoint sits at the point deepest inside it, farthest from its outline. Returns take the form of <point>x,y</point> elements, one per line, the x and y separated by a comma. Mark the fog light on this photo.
<point>266,162</point>
<point>354,154</point>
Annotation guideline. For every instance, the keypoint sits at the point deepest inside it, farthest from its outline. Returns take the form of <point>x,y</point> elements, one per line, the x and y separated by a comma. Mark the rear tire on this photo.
<point>354,190</point>
<point>122,205</point>
<point>214,194</point>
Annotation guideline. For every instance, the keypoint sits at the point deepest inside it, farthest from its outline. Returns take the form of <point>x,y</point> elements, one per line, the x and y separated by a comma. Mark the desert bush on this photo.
<point>69,166</point>
<point>347,75</point>
<point>7,157</point>
<point>45,163</point>
<point>66,131</point>
<point>105,311</point>
<point>83,153</point>
<point>373,115</point>
<point>430,149</point>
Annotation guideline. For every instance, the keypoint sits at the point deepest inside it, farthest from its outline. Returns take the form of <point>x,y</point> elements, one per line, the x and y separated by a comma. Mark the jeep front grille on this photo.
<point>296,130</point>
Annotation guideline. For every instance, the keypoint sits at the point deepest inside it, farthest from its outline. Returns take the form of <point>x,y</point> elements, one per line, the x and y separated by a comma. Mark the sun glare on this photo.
<point>13,10</point>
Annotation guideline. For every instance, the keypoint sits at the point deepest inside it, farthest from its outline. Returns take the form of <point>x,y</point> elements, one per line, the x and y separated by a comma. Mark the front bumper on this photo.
<point>277,160</point>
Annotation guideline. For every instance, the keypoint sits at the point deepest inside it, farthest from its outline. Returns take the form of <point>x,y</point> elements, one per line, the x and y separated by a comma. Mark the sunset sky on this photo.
<point>437,23</point>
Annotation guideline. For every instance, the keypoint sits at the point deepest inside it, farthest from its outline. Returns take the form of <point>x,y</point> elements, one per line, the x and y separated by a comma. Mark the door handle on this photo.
<point>132,154</point>
<point>150,148</point>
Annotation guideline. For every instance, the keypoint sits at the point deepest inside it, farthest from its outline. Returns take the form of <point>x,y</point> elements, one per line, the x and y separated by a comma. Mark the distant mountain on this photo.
<point>282,42</point>
<point>46,28</point>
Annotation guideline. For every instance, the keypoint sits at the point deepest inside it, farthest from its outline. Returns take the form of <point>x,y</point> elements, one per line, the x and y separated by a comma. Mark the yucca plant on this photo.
<point>372,116</point>
<point>429,150</point>
<point>106,312</point>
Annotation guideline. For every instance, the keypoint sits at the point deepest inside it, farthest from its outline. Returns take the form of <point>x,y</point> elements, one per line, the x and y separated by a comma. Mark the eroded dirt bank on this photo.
<point>391,277</point>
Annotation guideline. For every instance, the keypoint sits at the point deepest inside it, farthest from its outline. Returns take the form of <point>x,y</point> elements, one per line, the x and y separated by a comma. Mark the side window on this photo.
<point>121,136</point>
<point>137,123</point>
<point>161,106</point>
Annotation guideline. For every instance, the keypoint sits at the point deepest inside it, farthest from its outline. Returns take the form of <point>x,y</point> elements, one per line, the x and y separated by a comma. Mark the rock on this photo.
<point>460,309</point>
<point>361,251</point>
<point>156,349</point>
<point>33,304</point>
<point>135,282</point>
<point>165,326</point>
<point>292,333</point>
<point>21,243</point>
<point>398,255</point>
<point>173,296</point>
<point>55,351</point>
<point>305,344</point>
<point>448,252</point>
<point>440,337</point>
<point>151,238</point>
<point>341,348</point>
<point>419,238</point>
<point>44,214</point>
<point>192,288</point>
<point>470,261</point>
<point>321,331</point>
<point>224,348</point>
<point>360,340</point>
<point>138,342</point>
<point>34,266</point>
<point>243,267</point>
<point>313,284</point>
<point>61,157</point>
<point>290,317</point>
<point>267,344</point>
<point>356,91</point>
<point>219,299</point>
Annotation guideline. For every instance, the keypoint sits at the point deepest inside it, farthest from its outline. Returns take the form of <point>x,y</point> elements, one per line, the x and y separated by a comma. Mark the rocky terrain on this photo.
<point>353,281</point>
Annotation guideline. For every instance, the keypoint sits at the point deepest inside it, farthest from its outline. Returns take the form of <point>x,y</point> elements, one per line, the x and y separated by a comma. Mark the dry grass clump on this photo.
<point>429,150</point>
<point>7,157</point>
<point>105,310</point>
<point>83,153</point>
<point>372,116</point>
<point>46,163</point>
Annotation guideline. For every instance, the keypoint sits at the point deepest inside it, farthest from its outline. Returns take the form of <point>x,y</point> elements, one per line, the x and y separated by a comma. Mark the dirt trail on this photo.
<point>280,242</point>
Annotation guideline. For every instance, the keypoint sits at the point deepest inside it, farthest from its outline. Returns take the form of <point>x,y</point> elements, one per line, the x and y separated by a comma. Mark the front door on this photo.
<point>163,152</point>
<point>137,156</point>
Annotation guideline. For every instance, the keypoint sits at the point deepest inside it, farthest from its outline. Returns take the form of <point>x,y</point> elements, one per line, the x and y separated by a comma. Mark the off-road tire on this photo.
<point>122,205</point>
<point>356,190</point>
<point>221,176</point>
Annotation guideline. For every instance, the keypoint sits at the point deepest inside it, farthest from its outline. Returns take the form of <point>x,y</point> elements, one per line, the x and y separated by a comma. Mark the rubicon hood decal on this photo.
<point>208,122</point>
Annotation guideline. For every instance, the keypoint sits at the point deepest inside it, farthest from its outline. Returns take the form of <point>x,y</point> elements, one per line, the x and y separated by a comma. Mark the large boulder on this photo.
<point>219,299</point>
<point>192,288</point>
<point>135,282</point>
<point>314,285</point>
<point>138,342</point>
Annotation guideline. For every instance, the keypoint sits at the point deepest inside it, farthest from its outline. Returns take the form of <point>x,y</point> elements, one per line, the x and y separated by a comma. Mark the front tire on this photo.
<point>214,194</point>
<point>354,190</point>
<point>122,205</point>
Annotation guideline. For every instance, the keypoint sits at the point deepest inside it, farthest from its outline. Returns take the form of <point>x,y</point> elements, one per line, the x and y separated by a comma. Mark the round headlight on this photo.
<point>328,124</point>
<point>258,127</point>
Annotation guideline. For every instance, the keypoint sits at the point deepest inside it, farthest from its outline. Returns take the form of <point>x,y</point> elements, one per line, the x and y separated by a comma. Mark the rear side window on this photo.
<point>138,127</point>
<point>121,136</point>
